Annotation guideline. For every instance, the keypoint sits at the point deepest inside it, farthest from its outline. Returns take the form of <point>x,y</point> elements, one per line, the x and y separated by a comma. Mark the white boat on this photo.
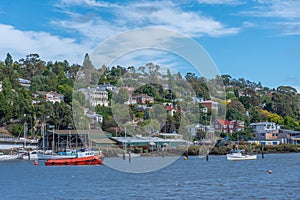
<point>7,157</point>
<point>29,155</point>
<point>132,155</point>
<point>61,155</point>
<point>237,154</point>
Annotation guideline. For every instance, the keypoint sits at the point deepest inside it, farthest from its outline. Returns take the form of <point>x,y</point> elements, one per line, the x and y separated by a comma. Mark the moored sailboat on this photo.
<point>7,157</point>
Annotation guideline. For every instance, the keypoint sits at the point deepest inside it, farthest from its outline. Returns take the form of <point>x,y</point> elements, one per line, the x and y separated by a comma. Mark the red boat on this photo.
<point>83,158</point>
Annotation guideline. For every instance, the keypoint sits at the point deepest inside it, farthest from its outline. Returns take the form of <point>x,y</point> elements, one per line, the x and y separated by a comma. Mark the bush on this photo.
<point>16,129</point>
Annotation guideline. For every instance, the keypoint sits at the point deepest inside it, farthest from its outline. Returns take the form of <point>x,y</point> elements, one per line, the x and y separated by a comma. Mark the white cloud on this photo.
<point>93,29</point>
<point>289,28</point>
<point>288,9</point>
<point>88,3</point>
<point>167,14</point>
<point>221,2</point>
<point>49,47</point>
<point>284,15</point>
<point>128,45</point>
<point>131,15</point>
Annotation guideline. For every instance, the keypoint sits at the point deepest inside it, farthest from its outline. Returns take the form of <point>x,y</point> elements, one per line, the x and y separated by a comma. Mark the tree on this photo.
<point>237,105</point>
<point>8,60</point>
<point>79,119</point>
<point>80,97</point>
<point>32,66</point>
<point>67,91</point>
<point>287,89</point>
<point>120,97</point>
<point>234,114</point>
<point>276,118</point>
<point>5,109</point>
<point>150,126</point>
<point>226,79</point>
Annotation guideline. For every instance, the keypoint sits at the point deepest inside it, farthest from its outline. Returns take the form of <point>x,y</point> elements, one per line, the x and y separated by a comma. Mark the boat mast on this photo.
<point>43,135</point>
<point>25,131</point>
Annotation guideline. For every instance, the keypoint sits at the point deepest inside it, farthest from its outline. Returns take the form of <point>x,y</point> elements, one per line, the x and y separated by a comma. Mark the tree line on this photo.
<point>246,100</point>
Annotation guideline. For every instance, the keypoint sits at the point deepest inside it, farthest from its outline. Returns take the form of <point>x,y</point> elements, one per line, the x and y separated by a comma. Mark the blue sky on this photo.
<point>258,40</point>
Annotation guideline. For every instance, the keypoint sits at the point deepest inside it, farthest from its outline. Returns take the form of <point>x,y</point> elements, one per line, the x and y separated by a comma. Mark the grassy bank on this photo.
<point>256,149</point>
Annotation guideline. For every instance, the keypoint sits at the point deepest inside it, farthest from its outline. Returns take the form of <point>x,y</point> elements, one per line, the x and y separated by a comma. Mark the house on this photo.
<point>95,117</point>
<point>96,96</point>
<point>265,130</point>
<point>289,136</point>
<point>130,90</point>
<point>223,125</point>
<point>201,131</point>
<point>51,96</point>
<point>238,125</point>
<point>108,87</point>
<point>209,105</point>
<point>227,126</point>
<point>171,110</point>
<point>25,83</point>
<point>94,120</point>
<point>143,99</point>
<point>131,101</point>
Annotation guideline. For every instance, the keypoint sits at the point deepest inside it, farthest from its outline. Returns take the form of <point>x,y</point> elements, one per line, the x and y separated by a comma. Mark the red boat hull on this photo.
<point>90,160</point>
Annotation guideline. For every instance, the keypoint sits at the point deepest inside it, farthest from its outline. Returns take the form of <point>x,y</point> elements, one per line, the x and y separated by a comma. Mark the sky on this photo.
<point>258,40</point>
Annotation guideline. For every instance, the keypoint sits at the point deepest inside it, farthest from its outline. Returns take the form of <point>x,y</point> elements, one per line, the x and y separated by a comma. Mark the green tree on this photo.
<point>32,66</point>
<point>276,118</point>
<point>120,97</point>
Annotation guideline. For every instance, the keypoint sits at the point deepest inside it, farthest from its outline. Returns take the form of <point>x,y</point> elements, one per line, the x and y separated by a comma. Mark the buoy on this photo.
<point>35,162</point>
<point>270,171</point>
<point>185,158</point>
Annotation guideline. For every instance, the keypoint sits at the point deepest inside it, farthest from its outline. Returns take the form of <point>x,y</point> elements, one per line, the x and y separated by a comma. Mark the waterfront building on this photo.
<point>289,136</point>
<point>265,130</point>
<point>156,142</point>
<point>60,140</point>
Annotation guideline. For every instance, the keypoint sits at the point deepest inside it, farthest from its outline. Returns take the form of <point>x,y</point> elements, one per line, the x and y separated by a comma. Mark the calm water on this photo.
<point>192,179</point>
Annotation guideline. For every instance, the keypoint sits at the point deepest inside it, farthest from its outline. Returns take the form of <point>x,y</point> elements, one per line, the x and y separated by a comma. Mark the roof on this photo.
<point>169,108</point>
<point>262,124</point>
<point>51,92</point>
<point>79,132</point>
<point>146,139</point>
<point>224,122</point>
<point>103,141</point>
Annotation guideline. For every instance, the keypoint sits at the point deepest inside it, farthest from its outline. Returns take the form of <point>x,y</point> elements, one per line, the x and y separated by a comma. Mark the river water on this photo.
<point>194,178</point>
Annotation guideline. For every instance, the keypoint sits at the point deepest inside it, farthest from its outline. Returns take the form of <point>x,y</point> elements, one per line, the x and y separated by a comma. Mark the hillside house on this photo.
<point>51,96</point>
<point>96,96</point>
<point>227,126</point>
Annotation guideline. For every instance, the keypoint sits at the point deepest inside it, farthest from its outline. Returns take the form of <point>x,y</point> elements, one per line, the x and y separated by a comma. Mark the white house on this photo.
<point>51,96</point>
<point>25,83</point>
<point>96,96</point>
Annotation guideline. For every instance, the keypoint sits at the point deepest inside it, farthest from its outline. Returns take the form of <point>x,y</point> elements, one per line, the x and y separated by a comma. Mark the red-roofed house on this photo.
<point>223,125</point>
<point>52,96</point>
<point>227,126</point>
<point>171,110</point>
